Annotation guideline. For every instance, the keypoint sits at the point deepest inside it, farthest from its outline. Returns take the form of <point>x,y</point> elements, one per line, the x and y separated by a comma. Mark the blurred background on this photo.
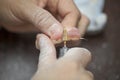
<point>18,55</point>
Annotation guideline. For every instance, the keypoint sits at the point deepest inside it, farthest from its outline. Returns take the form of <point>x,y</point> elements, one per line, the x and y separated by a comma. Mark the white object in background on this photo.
<point>93,9</point>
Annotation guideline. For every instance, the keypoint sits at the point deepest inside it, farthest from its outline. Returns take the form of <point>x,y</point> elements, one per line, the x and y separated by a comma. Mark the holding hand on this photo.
<point>69,67</point>
<point>47,16</point>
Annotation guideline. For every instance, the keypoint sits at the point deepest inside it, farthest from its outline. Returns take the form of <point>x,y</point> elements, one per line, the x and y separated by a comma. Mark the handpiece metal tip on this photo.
<point>64,49</point>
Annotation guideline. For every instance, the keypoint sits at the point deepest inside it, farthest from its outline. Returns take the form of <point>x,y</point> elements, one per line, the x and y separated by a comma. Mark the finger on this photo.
<point>71,16</point>
<point>85,75</point>
<point>26,28</point>
<point>83,25</point>
<point>47,50</point>
<point>43,20</point>
<point>90,74</point>
<point>79,55</point>
<point>73,33</point>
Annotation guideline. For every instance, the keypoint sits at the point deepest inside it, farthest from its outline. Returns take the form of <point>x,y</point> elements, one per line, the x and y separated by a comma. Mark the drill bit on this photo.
<point>64,49</point>
<point>65,37</point>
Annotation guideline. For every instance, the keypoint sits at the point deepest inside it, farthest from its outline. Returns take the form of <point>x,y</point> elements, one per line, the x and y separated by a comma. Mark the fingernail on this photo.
<point>41,41</point>
<point>37,41</point>
<point>56,31</point>
<point>73,33</point>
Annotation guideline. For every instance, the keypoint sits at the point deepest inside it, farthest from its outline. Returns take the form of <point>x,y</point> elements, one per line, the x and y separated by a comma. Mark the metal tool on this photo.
<point>64,49</point>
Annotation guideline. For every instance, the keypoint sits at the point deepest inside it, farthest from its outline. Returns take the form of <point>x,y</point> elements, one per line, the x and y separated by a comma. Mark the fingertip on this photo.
<point>73,33</point>
<point>85,56</point>
<point>40,40</point>
<point>80,50</point>
<point>90,75</point>
<point>56,31</point>
<point>83,24</point>
<point>84,50</point>
<point>37,41</point>
<point>80,55</point>
<point>47,50</point>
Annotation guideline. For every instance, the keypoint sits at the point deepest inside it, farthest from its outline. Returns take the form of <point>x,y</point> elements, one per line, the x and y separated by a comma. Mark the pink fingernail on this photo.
<point>73,33</point>
<point>56,31</point>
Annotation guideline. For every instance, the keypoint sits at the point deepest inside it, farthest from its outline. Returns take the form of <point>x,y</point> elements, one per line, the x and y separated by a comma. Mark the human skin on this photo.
<point>69,67</point>
<point>46,16</point>
<point>50,17</point>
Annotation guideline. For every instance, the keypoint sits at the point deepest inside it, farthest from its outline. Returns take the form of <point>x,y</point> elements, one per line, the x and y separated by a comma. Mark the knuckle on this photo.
<point>41,16</point>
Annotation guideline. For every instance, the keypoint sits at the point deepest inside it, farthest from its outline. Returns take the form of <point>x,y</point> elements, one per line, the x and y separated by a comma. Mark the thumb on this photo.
<point>79,55</point>
<point>47,51</point>
<point>43,20</point>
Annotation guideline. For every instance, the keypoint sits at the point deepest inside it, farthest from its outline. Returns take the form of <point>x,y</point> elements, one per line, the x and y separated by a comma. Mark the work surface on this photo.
<point>18,56</point>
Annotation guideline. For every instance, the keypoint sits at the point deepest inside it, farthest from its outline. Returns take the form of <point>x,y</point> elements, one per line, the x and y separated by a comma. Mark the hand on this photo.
<point>70,67</point>
<point>47,16</point>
